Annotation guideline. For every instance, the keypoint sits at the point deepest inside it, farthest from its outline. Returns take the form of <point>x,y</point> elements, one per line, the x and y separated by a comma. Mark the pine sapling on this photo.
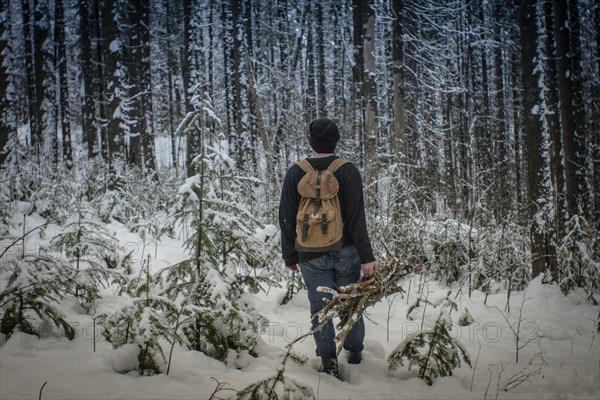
<point>31,288</point>
<point>279,386</point>
<point>145,321</point>
<point>434,351</point>
<point>89,247</point>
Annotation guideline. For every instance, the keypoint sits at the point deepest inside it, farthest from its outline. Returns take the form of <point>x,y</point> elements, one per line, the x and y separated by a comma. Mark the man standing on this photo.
<point>336,268</point>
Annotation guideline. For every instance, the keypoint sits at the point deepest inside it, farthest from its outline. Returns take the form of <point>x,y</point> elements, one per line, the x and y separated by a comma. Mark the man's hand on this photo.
<point>294,268</point>
<point>368,268</point>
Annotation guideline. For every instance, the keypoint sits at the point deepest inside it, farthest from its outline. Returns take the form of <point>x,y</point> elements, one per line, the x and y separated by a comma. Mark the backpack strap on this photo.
<point>305,165</point>
<point>336,164</point>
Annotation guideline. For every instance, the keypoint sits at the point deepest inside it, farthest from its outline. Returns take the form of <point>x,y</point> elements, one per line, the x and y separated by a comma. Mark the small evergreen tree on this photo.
<point>223,248</point>
<point>144,321</point>
<point>577,266</point>
<point>434,351</point>
<point>54,198</point>
<point>278,386</point>
<point>93,253</point>
<point>30,290</point>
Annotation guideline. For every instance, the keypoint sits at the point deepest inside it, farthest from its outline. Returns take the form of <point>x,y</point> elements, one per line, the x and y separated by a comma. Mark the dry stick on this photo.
<point>23,237</point>
<point>177,325</point>
<point>475,365</point>
<point>95,306</point>
<point>498,386</point>
<point>520,342</point>
<point>221,386</point>
<point>488,384</point>
<point>573,339</point>
<point>408,292</point>
<point>352,300</point>
<point>42,388</point>
<point>424,308</point>
<point>389,316</point>
<point>519,378</point>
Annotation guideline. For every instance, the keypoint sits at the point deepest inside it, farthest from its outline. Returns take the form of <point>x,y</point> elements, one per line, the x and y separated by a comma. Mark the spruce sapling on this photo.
<point>434,351</point>
<point>148,318</point>
<point>213,281</point>
<point>279,386</point>
<point>30,289</point>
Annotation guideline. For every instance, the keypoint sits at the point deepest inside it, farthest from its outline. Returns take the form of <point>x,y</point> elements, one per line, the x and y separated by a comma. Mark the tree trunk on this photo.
<point>465,103</point>
<point>571,102</point>
<point>109,48</point>
<point>88,115</point>
<point>502,195</point>
<point>597,25</point>
<point>485,143</point>
<point>596,138</point>
<point>251,121</point>
<point>339,105</point>
<point>581,134</point>
<point>398,139</point>
<point>148,144</point>
<point>517,123</point>
<point>141,143</point>
<point>30,76</point>
<point>63,87</point>
<point>192,138</point>
<point>552,102</point>
<point>172,107</point>
<point>40,37</point>
<point>533,133</point>
<point>358,72</point>
<point>236,82</point>
<point>320,47</point>
<point>311,79</point>
<point>370,95</point>
<point>5,113</point>
<point>271,177</point>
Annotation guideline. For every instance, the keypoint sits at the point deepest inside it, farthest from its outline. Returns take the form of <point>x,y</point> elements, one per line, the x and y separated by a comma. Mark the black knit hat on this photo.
<point>323,135</point>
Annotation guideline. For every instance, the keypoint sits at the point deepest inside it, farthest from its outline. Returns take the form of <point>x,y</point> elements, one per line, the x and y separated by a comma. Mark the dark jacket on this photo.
<point>352,203</point>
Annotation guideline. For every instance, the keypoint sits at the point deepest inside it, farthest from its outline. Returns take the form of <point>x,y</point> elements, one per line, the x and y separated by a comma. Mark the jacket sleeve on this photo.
<point>353,208</point>
<point>288,207</point>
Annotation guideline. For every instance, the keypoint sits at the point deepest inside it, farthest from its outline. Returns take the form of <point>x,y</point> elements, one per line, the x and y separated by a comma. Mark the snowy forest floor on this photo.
<point>560,358</point>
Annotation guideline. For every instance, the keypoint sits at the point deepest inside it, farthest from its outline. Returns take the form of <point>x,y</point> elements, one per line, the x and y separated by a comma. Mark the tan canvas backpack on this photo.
<point>319,225</point>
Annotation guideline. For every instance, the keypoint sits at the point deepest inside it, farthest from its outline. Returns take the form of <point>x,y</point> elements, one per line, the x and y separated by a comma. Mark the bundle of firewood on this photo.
<point>350,302</point>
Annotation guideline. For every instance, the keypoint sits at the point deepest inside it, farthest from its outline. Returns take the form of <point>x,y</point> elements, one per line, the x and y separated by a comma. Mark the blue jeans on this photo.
<point>334,270</point>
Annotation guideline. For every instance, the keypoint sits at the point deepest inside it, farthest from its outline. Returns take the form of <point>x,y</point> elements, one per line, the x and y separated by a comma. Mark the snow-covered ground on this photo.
<point>563,358</point>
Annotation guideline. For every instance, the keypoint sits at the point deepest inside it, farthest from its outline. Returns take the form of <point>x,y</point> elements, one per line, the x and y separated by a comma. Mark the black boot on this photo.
<point>354,357</point>
<point>329,365</point>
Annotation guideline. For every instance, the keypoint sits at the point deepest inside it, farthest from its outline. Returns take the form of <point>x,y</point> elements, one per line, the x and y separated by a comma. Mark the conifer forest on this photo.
<point>130,128</point>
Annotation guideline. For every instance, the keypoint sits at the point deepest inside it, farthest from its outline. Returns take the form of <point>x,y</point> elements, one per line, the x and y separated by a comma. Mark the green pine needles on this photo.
<point>279,386</point>
<point>30,289</point>
<point>223,249</point>
<point>145,320</point>
<point>434,351</point>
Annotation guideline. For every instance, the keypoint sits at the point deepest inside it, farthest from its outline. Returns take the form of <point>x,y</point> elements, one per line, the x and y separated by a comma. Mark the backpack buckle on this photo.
<point>305,227</point>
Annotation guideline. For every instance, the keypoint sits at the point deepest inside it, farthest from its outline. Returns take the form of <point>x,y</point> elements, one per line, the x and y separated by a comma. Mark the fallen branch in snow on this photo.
<point>41,389</point>
<point>221,387</point>
<point>520,377</point>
